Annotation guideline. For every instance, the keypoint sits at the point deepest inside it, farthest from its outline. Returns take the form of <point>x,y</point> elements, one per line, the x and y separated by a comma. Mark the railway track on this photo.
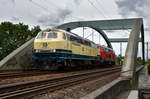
<point>15,74</point>
<point>23,74</point>
<point>33,87</point>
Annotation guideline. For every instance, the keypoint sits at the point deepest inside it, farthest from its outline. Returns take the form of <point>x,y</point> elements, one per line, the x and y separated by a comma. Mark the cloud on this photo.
<point>128,7</point>
<point>42,7</point>
<point>53,19</point>
<point>138,8</point>
<point>13,1</point>
<point>15,18</point>
<point>147,29</point>
<point>77,2</point>
<point>58,16</point>
<point>7,2</point>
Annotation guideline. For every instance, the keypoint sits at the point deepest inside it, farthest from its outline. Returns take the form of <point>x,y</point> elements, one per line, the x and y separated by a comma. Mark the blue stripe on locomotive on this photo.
<point>61,55</point>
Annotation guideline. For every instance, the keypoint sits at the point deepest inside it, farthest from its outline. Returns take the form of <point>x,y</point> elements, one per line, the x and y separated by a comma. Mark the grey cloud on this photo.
<point>15,18</point>
<point>13,1</point>
<point>41,13</point>
<point>39,5</point>
<point>139,7</point>
<point>63,13</point>
<point>54,18</point>
<point>147,29</point>
<point>6,2</point>
<point>77,2</point>
<point>129,6</point>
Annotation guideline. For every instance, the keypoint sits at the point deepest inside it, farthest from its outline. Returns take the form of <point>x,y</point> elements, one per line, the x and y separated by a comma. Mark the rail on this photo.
<point>24,88</point>
<point>23,74</point>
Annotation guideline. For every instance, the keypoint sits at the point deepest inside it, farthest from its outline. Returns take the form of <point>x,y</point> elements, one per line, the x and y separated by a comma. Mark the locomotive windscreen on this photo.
<point>41,36</point>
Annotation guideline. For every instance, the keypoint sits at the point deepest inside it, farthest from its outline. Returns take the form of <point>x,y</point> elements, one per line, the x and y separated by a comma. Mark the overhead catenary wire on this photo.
<point>42,7</point>
<point>104,14</point>
<point>100,12</point>
<point>50,11</point>
<point>127,31</point>
<point>101,6</point>
<point>60,8</point>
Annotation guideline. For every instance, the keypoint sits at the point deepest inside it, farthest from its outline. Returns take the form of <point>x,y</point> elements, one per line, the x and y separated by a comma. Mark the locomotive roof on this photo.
<point>74,35</point>
<point>71,33</point>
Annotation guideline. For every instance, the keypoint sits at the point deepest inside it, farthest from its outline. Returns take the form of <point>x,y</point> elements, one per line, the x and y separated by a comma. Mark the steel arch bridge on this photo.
<point>136,26</point>
<point>100,25</point>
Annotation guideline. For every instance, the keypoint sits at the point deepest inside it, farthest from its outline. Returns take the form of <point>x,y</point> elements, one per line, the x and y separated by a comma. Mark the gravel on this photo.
<point>77,91</point>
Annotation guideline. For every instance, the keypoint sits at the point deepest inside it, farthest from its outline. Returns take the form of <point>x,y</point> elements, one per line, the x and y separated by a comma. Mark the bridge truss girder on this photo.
<point>136,24</point>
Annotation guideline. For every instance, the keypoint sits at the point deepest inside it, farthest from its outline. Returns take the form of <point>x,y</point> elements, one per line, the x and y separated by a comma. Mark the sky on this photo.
<point>50,13</point>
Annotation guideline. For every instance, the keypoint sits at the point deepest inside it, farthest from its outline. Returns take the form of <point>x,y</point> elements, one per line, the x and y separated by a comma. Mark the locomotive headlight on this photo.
<point>37,50</point>
<point>54,50</point>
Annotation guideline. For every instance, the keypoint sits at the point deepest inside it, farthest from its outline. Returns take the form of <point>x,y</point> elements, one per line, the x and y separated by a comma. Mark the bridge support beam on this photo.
<point>129,64</point>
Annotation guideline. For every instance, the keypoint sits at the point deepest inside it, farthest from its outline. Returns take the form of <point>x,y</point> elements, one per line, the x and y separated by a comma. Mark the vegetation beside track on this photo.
<point>13,36</point>
<point>120,59</point>
<point>148,66</point>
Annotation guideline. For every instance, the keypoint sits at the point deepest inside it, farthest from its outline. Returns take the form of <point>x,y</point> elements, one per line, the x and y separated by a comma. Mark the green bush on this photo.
<point>148,66</point>
<point>119,60</point>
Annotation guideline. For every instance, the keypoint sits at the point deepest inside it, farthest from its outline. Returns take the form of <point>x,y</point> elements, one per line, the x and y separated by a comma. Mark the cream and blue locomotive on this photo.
<point>57,48</point>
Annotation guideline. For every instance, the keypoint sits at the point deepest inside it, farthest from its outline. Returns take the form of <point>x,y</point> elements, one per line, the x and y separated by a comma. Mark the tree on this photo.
<point>13,36</point>
<point>35,30</point>
<point>119,60</point>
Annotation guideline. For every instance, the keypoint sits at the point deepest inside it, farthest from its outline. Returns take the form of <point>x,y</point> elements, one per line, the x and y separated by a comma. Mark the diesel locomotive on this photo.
<point>56,48</point>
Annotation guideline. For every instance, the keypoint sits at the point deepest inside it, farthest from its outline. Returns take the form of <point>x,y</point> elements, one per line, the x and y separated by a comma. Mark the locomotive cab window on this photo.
<point>80,41</point>
<point>68,37</point>
<point>72,38</point>
<point>52,35</point>
<point>41,36</point>
<point>87,43</point>
<point>64,36</point>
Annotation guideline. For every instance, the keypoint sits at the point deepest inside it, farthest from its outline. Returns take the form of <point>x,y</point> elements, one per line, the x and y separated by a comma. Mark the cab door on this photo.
<point>68,42</point>
<point>65,44</point>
